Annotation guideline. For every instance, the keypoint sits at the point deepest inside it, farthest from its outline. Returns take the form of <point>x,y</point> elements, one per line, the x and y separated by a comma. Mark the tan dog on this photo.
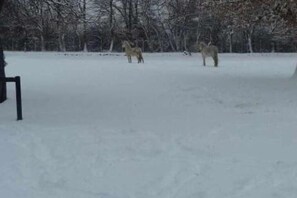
<point>209,51</point>
<point>132,51</point>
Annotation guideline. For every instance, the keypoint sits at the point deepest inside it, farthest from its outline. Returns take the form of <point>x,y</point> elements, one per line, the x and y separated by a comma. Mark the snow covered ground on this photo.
<point>96,126</point>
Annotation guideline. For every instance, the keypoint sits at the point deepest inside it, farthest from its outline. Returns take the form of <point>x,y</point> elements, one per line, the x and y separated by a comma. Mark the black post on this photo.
<point>18,98</point>
<point>2,64</point>
<point>2,75</point>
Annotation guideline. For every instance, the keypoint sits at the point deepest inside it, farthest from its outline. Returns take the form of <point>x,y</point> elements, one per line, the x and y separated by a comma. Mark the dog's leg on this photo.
<point>203,60</point>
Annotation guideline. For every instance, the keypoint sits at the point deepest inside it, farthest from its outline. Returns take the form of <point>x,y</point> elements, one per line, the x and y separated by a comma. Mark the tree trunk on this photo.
<point>130,16</point>
<point>111,26</point>
<point>42,32</point>
<point>61,39</point>
<point>61,35</point>
<point>111,46</point>
<point>160,41</point>
<point>273,47</point>
<point>85,26</point>
<point>42,43</point>
<point>148,40</point>
<point>85,46</point>
<point>176,39</point>
<point>250,43</point>
<point>78,40</point>
<point>231,42</point>
<point>198,34</point>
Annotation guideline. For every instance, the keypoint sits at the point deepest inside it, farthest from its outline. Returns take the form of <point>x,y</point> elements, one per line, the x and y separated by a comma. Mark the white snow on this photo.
<point>96,126</point>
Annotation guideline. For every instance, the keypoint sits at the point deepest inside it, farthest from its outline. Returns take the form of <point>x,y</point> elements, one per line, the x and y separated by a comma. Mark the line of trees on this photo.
<point>153,25</point>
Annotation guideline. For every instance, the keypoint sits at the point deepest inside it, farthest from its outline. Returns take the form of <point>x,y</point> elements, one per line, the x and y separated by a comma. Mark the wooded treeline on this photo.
<point>153,25</point>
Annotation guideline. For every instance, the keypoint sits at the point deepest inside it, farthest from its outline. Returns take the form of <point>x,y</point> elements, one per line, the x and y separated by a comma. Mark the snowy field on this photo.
<point>97,127</point>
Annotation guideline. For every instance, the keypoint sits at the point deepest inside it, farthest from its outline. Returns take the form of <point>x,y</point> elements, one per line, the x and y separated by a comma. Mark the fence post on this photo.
<point>18,97</point>
<point>17,81</point>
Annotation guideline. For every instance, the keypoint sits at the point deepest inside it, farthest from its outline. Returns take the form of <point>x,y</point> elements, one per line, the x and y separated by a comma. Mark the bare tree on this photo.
<point>106,8</point>
<point>84,18</point>
<point>80,10</point>
<point>31,15</point>
<point>62,15</point>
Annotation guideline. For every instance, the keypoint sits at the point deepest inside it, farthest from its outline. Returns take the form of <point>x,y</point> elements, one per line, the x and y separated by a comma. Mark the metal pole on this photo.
<point>18,97</point>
